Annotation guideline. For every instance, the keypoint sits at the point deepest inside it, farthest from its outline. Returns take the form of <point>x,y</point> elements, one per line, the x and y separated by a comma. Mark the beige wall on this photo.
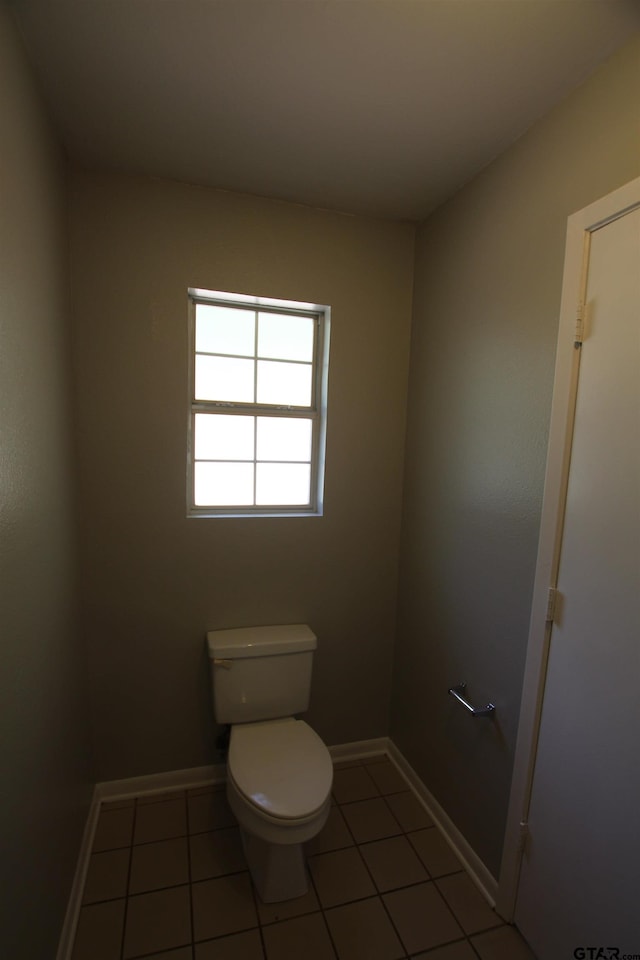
<point>486,300</point>
<point>155,582</point>
<point>43,733</point>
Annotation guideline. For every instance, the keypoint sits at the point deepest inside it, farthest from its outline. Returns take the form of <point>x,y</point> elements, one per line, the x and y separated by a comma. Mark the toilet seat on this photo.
<point>281,768</point>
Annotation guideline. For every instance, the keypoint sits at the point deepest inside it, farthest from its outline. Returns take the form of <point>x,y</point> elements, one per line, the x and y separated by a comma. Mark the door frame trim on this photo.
<point>580,227</point>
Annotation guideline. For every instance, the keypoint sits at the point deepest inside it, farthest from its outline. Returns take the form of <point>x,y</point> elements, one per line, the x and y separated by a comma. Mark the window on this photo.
<point>258,405</point>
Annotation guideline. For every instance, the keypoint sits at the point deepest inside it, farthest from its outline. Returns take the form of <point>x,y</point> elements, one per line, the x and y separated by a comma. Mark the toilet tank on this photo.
<point>261,673</point>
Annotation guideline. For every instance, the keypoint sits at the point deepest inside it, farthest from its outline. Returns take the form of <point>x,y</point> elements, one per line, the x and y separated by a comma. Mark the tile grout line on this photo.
<point>450,909</point>
<point>254,894</point>
<point>499,923</point>
<point>154,953</point>
<point>375,887</point>
<point>190,876</point>
<point>322,911</point>
<point>472,946</point>
<point>434,880</point>
<point>129,868</point>
<point>442,946</point>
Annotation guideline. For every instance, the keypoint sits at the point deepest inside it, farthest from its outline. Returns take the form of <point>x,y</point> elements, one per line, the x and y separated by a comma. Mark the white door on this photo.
<point>579,890</point>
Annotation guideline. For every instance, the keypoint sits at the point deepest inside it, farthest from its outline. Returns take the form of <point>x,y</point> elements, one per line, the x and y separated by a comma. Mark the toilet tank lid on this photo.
<point>260,641</point>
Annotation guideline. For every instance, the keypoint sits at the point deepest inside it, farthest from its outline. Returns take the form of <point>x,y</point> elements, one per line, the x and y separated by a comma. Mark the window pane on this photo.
<point>223,484</point>
<point>281,438</point>
<point>223,437</point>
<point>288,384</point>
<point>224,378</point>
<point>225,330</point>
<point>283,483</point>
<point>285,337</point>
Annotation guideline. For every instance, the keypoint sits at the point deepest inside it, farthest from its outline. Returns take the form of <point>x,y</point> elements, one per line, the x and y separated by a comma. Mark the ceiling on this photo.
<point>382,107</point>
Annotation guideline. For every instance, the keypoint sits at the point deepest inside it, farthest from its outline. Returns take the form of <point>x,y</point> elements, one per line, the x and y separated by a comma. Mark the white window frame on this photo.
<point>316,412</point>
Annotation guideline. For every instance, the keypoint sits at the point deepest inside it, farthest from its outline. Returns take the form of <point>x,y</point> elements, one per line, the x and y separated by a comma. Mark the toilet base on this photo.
<point>278,870</point>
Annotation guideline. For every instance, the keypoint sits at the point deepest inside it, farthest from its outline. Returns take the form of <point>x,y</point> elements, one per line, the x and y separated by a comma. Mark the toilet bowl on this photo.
<point>279,777</point>
<point>279,772</point>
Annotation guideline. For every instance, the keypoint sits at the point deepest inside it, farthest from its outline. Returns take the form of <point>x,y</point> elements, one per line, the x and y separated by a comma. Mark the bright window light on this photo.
<point>258,406</point>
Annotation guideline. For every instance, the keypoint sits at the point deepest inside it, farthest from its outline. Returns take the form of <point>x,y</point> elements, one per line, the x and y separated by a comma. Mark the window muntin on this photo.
<point>258,405</point>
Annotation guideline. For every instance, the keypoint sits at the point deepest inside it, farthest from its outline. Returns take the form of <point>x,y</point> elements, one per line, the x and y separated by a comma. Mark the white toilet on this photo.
<point>279,772</point>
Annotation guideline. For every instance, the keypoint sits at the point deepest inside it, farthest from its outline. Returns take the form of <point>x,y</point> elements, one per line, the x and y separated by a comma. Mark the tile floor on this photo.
<point>167,880</point>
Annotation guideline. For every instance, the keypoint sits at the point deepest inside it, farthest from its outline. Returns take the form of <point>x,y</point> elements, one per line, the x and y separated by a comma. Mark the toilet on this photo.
<point>279,772</point>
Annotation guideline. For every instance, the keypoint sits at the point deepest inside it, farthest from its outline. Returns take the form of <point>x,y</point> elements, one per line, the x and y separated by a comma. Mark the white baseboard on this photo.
<point>478,872</point>
<point>194,777</point>
<point>161,782</point>
<point>359,749</point>
<point>67,937</point>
